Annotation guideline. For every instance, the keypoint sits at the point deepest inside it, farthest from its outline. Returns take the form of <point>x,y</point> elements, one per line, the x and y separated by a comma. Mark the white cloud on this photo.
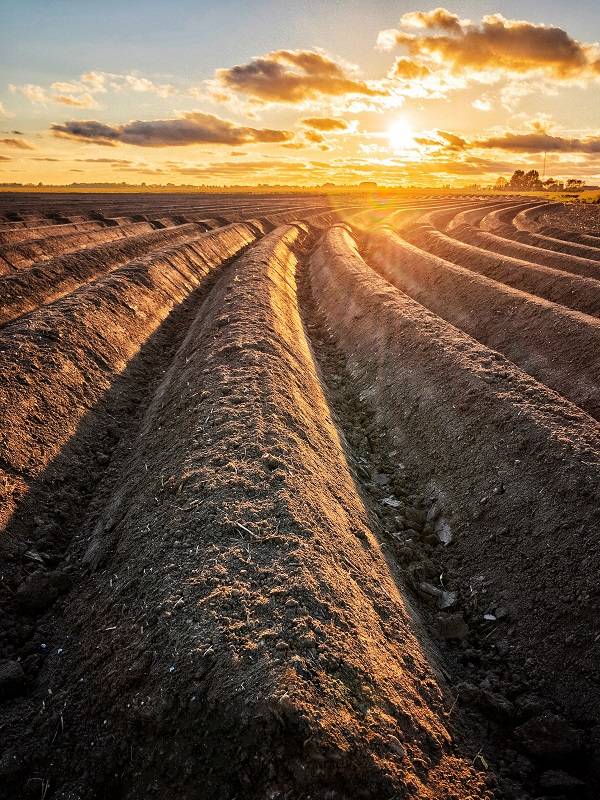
<point>4,114</point>
<point>33,92</point>
<point>482,103</point>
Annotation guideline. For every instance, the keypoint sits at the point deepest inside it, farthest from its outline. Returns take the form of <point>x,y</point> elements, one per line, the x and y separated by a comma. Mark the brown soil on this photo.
<point>485,440</point>
<point>27,289</point>
<point>87,338</point>
<point>13,235</point>
<point>278,624</point>
<point>581,217</point>
<point>272,529</point>
<point>22,254</point>
<point>548,242</point>
<point>556,345</point>
<point>579,293</point>
<point>528,253</point>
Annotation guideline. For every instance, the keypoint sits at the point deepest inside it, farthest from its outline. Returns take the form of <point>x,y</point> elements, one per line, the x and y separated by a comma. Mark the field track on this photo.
<point>299,497</point>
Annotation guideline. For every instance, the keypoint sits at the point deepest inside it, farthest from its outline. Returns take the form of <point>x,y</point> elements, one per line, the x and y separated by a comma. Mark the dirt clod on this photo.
<point>12,679</point>
<point>557,782</point>
<point>452,626</point>
<point>36,593</point>
<point>549,736</point>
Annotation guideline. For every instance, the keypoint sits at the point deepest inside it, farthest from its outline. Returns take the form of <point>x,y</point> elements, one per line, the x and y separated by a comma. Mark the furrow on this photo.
<point>556,345</point>
<point>511,465</point>
<point>579,293</point>
<point>80,343</point>
<point>26,290</point>
<point>264,630</point>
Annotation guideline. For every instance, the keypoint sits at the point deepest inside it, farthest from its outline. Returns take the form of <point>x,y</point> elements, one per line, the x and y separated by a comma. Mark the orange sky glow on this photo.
<point>431,97</point>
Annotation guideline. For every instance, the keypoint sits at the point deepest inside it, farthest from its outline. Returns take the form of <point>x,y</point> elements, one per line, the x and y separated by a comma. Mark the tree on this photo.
<point>552,185</point>
<point>532,181</point>
<point>501,183</point>
<point>574,184</point>
<point>517,180</point>
<point>522,181</point>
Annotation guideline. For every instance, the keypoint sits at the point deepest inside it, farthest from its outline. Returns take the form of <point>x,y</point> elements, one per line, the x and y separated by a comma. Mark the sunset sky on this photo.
<point>297,93</point>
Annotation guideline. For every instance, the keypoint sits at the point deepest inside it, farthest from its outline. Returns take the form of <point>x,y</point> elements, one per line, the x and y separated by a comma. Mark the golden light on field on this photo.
<point>401,134</point>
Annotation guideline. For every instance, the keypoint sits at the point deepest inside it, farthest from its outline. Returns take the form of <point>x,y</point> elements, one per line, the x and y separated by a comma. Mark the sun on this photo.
<point>400,134</point>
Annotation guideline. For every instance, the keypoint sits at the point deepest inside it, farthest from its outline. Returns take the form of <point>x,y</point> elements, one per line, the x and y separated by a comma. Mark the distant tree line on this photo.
<point>522,181</point>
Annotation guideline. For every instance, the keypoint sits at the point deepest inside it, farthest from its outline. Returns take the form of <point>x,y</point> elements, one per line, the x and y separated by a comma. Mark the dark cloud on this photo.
<point>536,141</point>
<point>539,142</point>
<point>292,76</point>
<point>326,123</point>
<point>445,141</point>
<point>5,158</point>
<point>89,131</point>
<point>112,161</point>
<point>192,128</point>
<point>498,44</point>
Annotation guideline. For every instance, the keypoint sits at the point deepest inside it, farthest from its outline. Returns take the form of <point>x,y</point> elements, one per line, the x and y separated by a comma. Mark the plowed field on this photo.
<point>299,497</point>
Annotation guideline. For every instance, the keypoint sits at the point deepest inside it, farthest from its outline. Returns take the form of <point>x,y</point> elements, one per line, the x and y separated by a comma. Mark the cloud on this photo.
<point>20,144</point>
<point>95,81</point>
<point>104,161</point>
<point>5,158</point>
<point>33,92</point>
<point>4,114</point>
<point>314,137</point>
<point>406,69</point>
<point>539,142</point>
<point>497,44</point>
<point>482,103</point>
<point>292,76</point>
<point>63,92</point>
<point>326,123</point>
<point>193,127</point>
<point>535,140</point>
<point>139,84</point>
<point>82,101</point>
<point>65,86</point>
<point>452,141</point>
<point>80,93</point>
<point>438,18</point>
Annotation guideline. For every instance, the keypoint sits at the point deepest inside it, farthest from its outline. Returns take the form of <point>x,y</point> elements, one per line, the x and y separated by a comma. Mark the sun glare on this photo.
<point>400,134</point>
